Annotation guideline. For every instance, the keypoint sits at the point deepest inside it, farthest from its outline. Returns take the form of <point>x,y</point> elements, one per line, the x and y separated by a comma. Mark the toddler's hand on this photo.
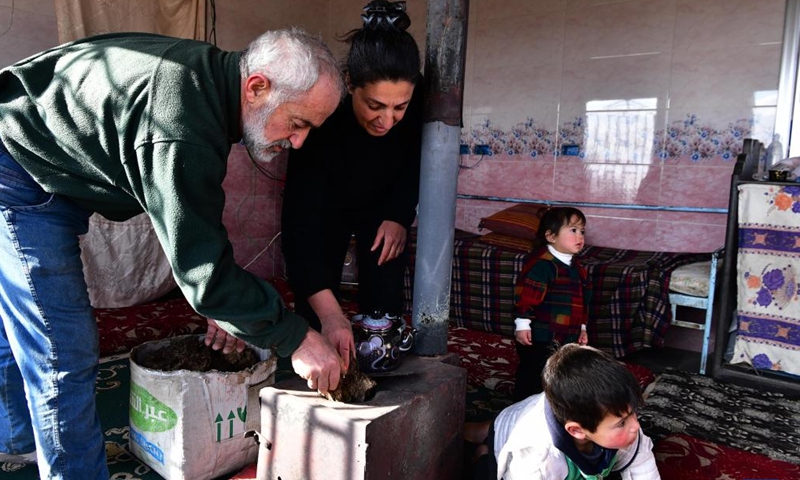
<point>583,338</point>
<point>523,336</point>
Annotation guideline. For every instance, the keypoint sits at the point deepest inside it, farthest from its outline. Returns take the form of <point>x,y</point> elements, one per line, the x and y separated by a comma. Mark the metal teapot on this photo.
<point>380,339</point>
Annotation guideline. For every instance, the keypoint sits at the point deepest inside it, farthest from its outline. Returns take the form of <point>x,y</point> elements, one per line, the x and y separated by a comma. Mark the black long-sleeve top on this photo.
<point>343,172</point>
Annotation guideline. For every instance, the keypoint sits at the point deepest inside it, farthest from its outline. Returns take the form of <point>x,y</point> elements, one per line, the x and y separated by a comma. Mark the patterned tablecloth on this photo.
<point>768,272</point>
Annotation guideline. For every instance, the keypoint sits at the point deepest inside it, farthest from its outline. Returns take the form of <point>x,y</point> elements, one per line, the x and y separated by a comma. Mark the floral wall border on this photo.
<point>688,138</point>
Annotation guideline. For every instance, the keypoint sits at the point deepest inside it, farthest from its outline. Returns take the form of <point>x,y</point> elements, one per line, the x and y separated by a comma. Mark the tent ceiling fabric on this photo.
<point>177,18</point>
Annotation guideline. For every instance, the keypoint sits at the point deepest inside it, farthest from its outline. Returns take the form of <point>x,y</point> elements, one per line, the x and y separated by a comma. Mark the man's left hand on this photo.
<point>393,237</point>
<point>217,338</point>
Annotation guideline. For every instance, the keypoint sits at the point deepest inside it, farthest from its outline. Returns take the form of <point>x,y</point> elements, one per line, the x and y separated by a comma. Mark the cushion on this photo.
<point>508,242</point>
<point>691,279</point>
<point>682,457</point>
<point>521,221</point>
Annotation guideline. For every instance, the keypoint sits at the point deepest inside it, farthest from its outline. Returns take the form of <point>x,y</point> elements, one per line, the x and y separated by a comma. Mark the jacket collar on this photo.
<point>592,464</point>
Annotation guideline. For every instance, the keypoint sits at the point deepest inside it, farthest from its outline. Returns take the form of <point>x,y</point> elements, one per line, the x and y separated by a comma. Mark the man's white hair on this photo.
<point>292,60</point>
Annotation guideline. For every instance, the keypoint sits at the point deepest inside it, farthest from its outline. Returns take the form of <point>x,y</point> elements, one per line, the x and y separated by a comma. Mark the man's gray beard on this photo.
<point>253,134</point>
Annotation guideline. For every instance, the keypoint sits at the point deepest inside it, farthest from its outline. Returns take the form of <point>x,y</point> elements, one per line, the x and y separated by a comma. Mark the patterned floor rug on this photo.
<point>751,420</point>
<point>113,387</point>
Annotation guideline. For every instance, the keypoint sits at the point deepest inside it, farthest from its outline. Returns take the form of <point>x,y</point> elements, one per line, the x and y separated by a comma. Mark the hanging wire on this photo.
<point>10,20</point>
<point>261,168</point>
<point>267,173</point>
<point>212,34</point>
<point>241,224</point>
<point>468,167</point>
<point>264,250</point>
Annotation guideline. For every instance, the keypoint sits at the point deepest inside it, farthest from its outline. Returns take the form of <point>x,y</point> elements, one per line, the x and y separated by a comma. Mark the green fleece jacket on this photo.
<point>130,123</point>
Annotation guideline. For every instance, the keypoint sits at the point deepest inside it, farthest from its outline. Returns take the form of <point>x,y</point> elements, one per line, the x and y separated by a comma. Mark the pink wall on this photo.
<point>657,94</point>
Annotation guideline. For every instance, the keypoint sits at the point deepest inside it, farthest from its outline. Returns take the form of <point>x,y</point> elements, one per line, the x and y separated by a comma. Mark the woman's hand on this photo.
<point>336,327</point>
<point>338,330</point>
<point>393,237</point>
<point>317,363</point>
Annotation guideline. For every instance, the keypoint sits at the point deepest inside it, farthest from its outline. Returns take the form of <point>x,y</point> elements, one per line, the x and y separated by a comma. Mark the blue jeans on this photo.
<point>49,339</point>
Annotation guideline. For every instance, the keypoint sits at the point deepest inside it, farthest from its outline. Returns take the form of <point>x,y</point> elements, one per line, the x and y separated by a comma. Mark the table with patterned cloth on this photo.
<point>767,277</point>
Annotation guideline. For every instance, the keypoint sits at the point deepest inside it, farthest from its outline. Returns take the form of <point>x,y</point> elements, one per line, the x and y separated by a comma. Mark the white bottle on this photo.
<point>773,155</point>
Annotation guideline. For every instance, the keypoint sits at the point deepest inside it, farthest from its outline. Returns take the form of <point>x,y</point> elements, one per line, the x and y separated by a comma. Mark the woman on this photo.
<point>358,174</point>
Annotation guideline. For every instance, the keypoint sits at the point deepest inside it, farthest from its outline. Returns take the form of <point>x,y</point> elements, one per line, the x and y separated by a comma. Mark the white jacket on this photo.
<point>524,447</point>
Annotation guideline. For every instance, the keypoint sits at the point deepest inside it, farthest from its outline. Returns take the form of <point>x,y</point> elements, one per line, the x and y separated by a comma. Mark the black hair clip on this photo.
<point>386,15</point>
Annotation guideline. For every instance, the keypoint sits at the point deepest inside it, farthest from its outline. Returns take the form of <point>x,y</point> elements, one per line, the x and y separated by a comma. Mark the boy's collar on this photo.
<point>592,464</point>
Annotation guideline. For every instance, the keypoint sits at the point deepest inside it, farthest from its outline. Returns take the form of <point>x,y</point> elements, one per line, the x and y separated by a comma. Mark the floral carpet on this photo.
<point>710,430</point>
<point>113,390</point>
<point>113,397</point>
<point>702,429</point>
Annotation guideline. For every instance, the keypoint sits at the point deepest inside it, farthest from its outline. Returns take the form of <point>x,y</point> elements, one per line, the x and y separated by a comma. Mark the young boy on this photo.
<point>583,426</point>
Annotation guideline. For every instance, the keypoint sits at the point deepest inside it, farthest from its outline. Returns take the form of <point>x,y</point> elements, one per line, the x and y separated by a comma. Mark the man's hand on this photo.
<point>338,331</point>
<point>523,337</point>
<point>393,237</point>
<point>317,363</point>
<point>217,338</point>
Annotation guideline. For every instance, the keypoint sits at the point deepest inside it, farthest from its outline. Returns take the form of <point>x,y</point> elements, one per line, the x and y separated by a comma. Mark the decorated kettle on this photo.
<point>380,339</point>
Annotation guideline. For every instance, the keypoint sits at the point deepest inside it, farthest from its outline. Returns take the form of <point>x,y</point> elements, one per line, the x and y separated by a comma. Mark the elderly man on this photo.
<point>123,124</point>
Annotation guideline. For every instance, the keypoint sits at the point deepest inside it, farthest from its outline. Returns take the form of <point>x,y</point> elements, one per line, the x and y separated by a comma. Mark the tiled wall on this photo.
<point>656,94</point>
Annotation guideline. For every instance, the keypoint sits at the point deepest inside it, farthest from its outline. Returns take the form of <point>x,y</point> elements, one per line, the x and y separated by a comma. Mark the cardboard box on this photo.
<point>191,425</point>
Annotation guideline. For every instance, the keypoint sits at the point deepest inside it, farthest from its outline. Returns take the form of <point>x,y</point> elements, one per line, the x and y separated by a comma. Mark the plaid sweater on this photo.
<point>554,295</point>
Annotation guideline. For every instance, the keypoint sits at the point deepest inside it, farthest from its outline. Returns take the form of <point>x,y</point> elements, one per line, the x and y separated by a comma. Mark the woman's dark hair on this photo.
<point>382,49</point>
<point>583,385</point>
<point>554,218</point>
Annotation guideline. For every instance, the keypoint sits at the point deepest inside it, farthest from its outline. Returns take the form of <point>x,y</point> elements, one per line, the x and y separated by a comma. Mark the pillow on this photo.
<point>508,242</point>
<point>521,220</point>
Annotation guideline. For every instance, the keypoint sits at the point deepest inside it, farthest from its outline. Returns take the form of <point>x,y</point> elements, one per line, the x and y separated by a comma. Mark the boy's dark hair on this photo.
<point>554,218</point>
<point>382,49</point>
<point>583,384</point>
